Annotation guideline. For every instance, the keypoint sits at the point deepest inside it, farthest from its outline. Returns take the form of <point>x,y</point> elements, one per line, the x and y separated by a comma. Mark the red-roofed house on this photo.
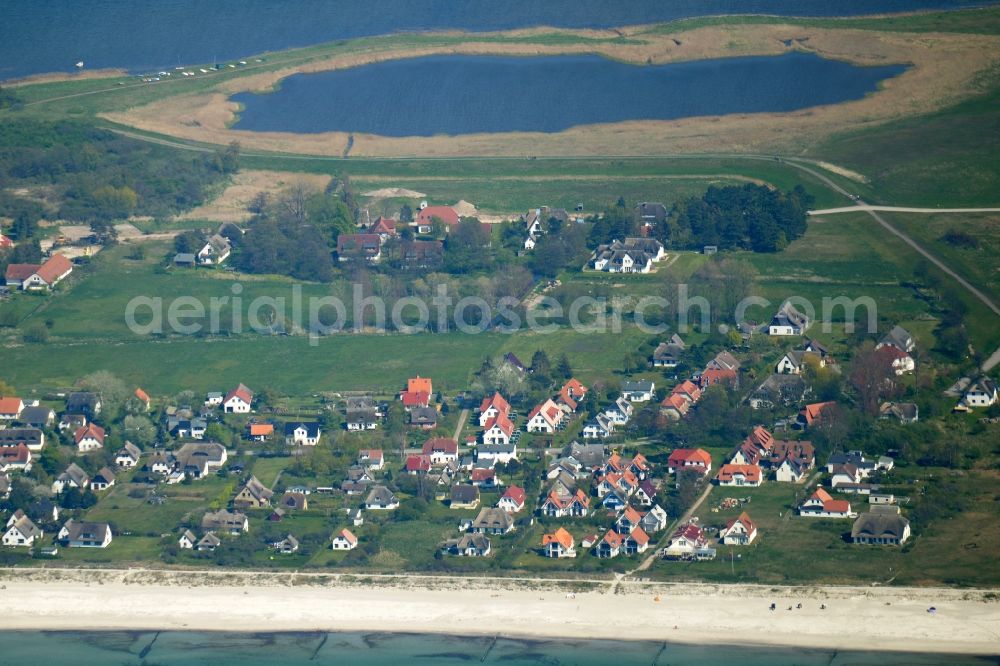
<point>89,437</point>
<point>440,450</point>
<point>688,390</point>
<point>385,227</point>
<point>238,400</point>
<point>809,414</point>
<point>558,544</point>
<point>696,459</point>
<point>420,384</point>
<point>143,397</point>
<point>485,477</point>
<point>762,438</point>
<point>739,475</point>
<point>415,399</point>
<point>739,531</point>
<point>359,246</point>
<point>821,505</point>
<point>34,276</point>
<point>418,392</point>
<point>724,376</point>
<point>491,407</point>
<point>50,273</point>
<point>577,505</point>
<point>685,541</point>
<point>572,393</point>
<point>546,417</point>
<point>15,457</point>
<point>260,432</point>
<point>512,500</point>
<point>416,464</point>
<point>17,273</point>
<point>10,408</point>
<point>637,541</point>
<point>674,407</point>
<point>425,218</point>
<point>894,357</point>
<point>344,540</point>
<point>5,243</point>
<point>371,458</point>
<point>627,520</point>
<point>498,430</point>
<point>611,545</point>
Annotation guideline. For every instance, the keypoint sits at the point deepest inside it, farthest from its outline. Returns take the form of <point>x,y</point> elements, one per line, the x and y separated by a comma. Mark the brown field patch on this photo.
<point>231,204</point>
<point>943,70</point>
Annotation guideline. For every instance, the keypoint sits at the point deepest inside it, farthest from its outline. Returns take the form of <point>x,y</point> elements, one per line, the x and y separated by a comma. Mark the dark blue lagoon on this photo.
<point>232,649</point>
<point>139,35</point>
<point>469,94</point>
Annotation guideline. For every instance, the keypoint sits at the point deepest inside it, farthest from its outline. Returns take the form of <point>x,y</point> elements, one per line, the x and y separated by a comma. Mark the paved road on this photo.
<point>898,209</point>
<point>648,562</point>
<point>462,418</point>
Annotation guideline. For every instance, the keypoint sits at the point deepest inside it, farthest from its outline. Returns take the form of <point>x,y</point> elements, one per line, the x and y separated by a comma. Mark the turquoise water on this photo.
<point>467,94</point>
<point>223,649</point>
<point>143,35</point>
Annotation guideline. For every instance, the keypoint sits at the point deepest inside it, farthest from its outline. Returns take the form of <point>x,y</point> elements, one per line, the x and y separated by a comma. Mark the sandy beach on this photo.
<point>855,618</point>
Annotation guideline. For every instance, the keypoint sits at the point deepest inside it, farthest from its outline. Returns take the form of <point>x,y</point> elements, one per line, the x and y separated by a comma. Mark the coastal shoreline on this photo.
<point>855,618</point>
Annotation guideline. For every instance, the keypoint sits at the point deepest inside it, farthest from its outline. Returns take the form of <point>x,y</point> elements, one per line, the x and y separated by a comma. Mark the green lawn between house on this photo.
<point>794,550</point>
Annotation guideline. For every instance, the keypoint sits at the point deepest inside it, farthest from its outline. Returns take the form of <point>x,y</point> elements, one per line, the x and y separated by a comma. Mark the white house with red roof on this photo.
<point>572,394</point>
<point>89,438</point>
<point>546,417</point>
<point>492,407</point>
<point>739,475</point>
<point>344,540</point>
<point>10,408</point>
<point>686,541</point>
<point>894,357</point>
<point>636,541</point>
<point>385,227</point>
<point>739,531</point>
<point>822,505</point>
<point>576,505</point>
<point>693,459</point>
<point>558,544</point>
<point>425,218</point>
<point>627,520</point>
<point>485,477</point>
<point>610,546</point>
<point>512,500</point>
<point>417,464</point>
<point>15,457</point>
<point>372,459</point>
<point>498,430</point>
<point>418,392</point>
<point>674,407</point>
<point>440,450</point>
<point>238,400</point>
<point>35,276</point>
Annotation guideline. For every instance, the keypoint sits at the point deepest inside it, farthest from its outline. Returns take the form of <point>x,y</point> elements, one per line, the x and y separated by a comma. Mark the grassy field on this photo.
<point>850,255</point>
<point>512,196</point>
<point>944,159</point>
<point>979,265</point>
<point>794,550</point>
